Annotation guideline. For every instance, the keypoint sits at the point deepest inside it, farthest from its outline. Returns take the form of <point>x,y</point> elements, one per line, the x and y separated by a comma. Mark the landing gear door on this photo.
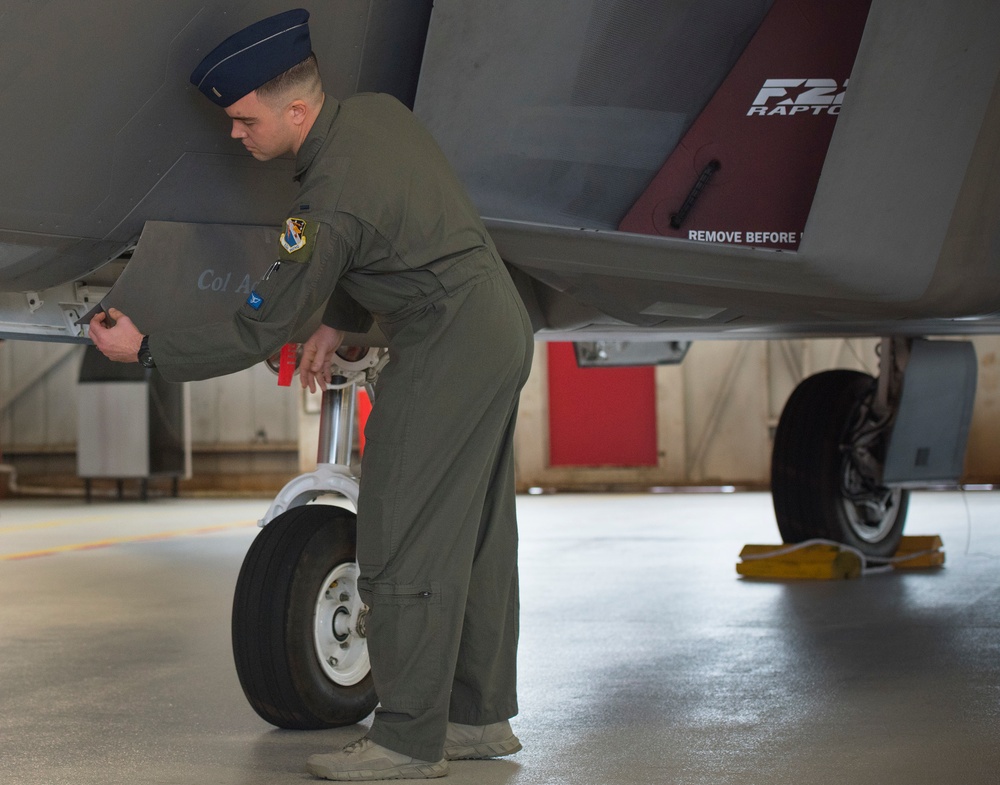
<point>931,429</point>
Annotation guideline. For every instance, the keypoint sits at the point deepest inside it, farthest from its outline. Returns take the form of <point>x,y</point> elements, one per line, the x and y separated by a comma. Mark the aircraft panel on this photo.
<point>110,134</point>
<point>561,112</point>
<point>915,143</point>
<point>923,83</point>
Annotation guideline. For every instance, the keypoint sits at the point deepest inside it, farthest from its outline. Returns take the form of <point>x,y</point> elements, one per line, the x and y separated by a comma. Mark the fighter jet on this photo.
<point>707,169</point>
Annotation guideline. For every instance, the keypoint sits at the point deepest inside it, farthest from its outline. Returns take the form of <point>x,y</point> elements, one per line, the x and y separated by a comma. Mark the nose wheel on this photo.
<point>299,622</point>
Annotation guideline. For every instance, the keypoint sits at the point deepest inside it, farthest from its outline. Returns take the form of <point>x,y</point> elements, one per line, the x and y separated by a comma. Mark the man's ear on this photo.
<point>297,110</point>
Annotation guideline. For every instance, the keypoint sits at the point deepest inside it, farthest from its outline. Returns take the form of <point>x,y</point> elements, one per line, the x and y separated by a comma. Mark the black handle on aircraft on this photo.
<point>676,219</point>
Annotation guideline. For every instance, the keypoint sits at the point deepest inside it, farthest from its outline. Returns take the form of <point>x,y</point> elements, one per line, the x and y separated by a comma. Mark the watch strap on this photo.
<point>144,357</point>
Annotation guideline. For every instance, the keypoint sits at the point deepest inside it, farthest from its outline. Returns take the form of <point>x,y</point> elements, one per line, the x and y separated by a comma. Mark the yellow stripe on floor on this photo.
<point>24,527</point>
<point>87,546</point>
<point>109,517</point>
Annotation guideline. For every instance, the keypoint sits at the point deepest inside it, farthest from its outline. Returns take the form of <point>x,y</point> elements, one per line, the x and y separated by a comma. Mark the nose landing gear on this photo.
<point>298,624</point>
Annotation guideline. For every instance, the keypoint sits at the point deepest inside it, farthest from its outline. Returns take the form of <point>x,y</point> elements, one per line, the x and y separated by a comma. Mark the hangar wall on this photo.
<point>244,427</point>
<point>715,416</point>
<point>717,411</point>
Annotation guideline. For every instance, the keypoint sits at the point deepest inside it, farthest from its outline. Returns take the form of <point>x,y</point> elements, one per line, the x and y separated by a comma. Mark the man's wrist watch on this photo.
<point>145,358</point>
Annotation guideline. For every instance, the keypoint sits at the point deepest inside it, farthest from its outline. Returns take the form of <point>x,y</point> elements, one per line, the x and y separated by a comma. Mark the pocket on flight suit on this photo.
<point>277,284</point>
<point>407,648</point>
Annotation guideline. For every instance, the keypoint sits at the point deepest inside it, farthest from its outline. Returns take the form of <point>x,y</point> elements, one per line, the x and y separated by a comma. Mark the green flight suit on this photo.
<point>381,227</point>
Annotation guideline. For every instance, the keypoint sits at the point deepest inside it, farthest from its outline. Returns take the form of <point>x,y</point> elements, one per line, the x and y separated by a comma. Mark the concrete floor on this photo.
<point>644,658</point>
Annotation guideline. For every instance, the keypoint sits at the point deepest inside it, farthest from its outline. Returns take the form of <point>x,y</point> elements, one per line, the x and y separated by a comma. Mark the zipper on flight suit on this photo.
<point>420,595</point>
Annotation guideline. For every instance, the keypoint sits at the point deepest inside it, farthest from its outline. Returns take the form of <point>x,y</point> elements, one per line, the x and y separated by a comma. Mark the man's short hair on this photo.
<point>302,78</point>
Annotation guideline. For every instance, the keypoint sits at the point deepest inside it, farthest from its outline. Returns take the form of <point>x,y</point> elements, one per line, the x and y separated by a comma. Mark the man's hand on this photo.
<point>317,354</point>
<point>120,342</point>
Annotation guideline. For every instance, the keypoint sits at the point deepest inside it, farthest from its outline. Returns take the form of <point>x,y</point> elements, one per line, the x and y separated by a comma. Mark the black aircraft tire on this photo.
<point>808,464</point>
<point>274,607</point>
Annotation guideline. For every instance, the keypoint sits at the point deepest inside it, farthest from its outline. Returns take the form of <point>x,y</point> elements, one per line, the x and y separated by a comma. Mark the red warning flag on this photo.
<point>286,367</point>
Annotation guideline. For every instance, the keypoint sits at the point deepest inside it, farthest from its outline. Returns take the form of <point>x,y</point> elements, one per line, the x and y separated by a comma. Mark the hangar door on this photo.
<point>600,416</point>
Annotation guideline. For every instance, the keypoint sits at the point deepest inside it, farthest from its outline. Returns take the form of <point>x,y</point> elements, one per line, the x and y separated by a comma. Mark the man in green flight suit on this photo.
<point>381,228</point>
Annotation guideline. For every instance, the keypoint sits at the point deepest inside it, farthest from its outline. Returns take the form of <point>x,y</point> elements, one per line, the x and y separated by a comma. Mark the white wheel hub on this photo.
<point>338,627</point>
<point>871,511</point>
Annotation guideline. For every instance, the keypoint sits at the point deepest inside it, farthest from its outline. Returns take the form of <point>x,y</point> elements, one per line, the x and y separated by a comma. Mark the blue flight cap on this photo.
<point>253,56</point>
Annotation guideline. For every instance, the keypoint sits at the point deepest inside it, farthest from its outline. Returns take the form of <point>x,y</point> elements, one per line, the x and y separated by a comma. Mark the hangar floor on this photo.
<point>644,658</point>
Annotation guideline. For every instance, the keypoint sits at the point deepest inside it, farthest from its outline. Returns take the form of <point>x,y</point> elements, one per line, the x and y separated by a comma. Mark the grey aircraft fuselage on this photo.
<point>103,133</point>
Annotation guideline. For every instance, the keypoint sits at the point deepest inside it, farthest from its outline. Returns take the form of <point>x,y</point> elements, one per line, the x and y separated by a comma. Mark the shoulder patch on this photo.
<point>297,239</point>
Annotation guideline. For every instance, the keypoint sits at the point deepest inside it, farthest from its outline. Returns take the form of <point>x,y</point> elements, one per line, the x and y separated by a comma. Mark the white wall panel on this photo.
<point>241,408</point>
<point>37,393</point>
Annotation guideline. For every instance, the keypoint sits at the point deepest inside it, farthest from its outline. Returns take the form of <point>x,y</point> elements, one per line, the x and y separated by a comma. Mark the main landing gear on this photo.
<point>298,625</point>
<point>829,454</point>
<point>825,466</point>
<point>849,447</point>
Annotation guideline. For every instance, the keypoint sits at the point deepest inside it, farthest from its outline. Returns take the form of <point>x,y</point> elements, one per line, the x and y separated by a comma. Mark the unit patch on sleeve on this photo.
<point>297,240</point>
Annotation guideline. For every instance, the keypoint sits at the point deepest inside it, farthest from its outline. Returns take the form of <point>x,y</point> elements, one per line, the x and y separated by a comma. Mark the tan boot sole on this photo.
<point>486,749</point>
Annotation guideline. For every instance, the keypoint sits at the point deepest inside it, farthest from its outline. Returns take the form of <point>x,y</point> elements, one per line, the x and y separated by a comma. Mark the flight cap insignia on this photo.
<point>253,56</point>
